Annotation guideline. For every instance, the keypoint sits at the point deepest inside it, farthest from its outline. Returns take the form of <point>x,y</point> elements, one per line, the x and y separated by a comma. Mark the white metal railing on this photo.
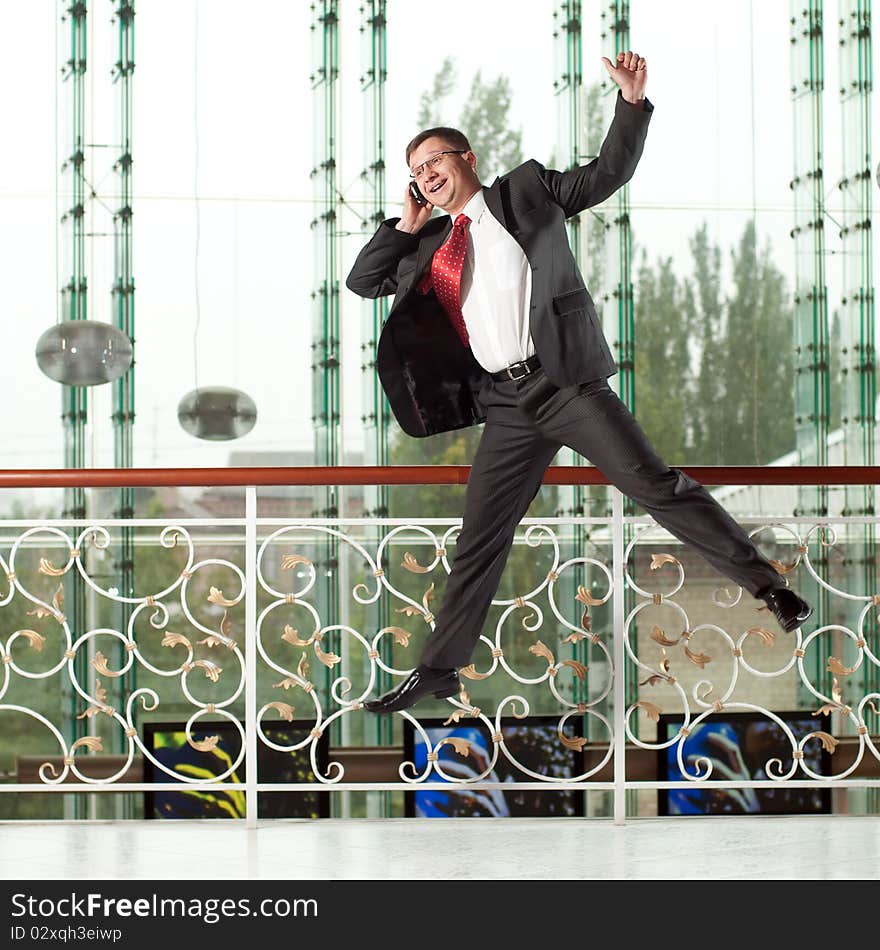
<point>224,663</point>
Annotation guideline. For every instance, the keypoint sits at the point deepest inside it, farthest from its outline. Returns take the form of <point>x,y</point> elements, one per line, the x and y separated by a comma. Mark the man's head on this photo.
<point>444,167</point>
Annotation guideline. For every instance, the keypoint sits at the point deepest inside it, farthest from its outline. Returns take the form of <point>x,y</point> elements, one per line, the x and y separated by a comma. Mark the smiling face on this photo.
<point>452,181</point>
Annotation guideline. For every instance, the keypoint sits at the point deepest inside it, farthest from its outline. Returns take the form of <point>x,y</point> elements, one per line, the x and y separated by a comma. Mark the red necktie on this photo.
<point>445,275</point>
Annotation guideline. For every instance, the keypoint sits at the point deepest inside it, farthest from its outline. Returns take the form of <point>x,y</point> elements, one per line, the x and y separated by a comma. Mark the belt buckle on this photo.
<point>523,375</point>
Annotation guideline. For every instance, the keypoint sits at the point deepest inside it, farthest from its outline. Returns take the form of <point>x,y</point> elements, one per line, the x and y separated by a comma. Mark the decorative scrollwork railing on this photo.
<point>601,643</point>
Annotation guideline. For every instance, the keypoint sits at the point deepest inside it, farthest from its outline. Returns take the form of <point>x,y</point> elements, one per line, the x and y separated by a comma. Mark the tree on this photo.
<point>714,374</point>
<point>593,264</point>
<point>834,368</point>
<point>430,105</point>
<point>758,395</point>
<point>664,317</point>
<point>485,119</point>
<point>705,415</point>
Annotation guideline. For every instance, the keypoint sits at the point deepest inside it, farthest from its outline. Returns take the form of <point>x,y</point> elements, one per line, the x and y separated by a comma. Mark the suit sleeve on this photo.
<point>591,184</point>
<point>374,273</point>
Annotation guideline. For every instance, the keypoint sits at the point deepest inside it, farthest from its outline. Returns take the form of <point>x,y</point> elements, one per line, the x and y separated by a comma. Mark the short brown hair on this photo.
<point>458,140</point>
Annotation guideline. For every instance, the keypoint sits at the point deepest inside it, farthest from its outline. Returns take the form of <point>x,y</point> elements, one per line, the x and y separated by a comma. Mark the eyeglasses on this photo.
<point>434,161</point>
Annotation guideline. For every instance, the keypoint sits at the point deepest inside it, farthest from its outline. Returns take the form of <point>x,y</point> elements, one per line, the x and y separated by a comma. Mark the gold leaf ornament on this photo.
<point>541,649</point>
<point>456,715</point>
<point>576,743</point>
<point>427,597</point>
<point>172,639</point>
<point>328,659</point>
<point>652,709</point>
<point>664,664</point>
<point>461,746</point>
<point>698,659</point>
<point>99,662</point>
<point>653,680</point>
<point>58,599</point>
<point>285,710</point>
<point>768,636</point>
<point>470,672</point>
<point>783,568</point>
<point>208,744</point>
<point>410,562</point>
<point>291,635</point>
<point>585,597</point>
<point>580,671</point>
<point>290,561</point>
<point>210,641</point>
<point>400,635</point>
<point>39,612</point>
<point>826,709</point>
<point>212,670</point>
<point>92,743</point>
<point>226,625</point>
<point>47,567</point>
<point>36,640</point>
<point>659,636</point>
<point>285,684</point>
<point>835,666</point>
<point>216,597</point>
<point>575,637</point>
<point>101,705</point>
<point>658,560</point>
<point>829,743</point>
<point>303,667</point>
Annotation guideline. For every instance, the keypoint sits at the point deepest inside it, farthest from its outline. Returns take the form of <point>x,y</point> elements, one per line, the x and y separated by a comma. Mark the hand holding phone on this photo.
<point>416,210</point>
<point>414,191</point>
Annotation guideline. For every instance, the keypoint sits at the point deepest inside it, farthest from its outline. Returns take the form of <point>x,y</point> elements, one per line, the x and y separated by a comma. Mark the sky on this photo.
<point>223,113</point>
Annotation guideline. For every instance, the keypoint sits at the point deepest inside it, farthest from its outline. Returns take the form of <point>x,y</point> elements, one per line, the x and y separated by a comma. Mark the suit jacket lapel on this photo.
<point>494,202</point>
<point>428,246</point>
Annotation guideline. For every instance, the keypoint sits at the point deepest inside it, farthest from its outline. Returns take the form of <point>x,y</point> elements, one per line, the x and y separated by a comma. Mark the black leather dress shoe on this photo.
<point>790,610</point>
<point>419,683</point>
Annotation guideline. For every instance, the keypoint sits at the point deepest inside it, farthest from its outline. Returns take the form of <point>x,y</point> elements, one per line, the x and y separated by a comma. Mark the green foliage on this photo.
<point>708,339</point>
<point>433,101</point>
<point>664,315</point>
<point>714,375</point>
<point>593,263</point>
<point>485,118</point>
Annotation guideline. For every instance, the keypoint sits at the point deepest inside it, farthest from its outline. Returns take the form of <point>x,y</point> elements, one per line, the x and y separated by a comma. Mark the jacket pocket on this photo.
<point>573,300</point>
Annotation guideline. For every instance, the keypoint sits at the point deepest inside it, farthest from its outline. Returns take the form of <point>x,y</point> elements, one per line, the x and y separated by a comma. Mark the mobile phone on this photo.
<point>414,191</point>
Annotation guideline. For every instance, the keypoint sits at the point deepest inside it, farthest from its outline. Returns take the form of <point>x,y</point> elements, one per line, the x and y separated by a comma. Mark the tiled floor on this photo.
<point>690,848</point>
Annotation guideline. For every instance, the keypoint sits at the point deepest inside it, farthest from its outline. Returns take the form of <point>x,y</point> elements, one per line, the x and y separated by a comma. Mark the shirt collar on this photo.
<point>475,207</point>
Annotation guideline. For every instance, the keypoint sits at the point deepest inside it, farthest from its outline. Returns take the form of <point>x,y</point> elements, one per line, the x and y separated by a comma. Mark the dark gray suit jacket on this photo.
<point>431,379</point>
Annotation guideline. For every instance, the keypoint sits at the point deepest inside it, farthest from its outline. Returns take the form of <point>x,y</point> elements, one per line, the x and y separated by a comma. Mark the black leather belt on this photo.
<point>517,370</point>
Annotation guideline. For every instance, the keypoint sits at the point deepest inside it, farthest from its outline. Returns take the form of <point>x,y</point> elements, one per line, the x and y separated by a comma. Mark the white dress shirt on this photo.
<point>496,290</point>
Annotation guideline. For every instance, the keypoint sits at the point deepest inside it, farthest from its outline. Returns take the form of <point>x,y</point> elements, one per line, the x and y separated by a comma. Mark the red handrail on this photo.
<point>413,475</point>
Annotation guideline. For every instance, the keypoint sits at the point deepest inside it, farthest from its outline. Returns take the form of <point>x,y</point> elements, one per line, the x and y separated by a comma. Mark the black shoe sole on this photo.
<point>439,694</point>
<point>798,623</point>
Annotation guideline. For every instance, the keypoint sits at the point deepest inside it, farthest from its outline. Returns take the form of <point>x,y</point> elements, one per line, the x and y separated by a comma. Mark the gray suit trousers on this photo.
<point>527,422</point>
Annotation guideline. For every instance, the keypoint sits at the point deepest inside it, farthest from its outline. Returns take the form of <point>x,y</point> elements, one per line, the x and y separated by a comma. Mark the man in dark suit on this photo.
<point>491,322</point>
